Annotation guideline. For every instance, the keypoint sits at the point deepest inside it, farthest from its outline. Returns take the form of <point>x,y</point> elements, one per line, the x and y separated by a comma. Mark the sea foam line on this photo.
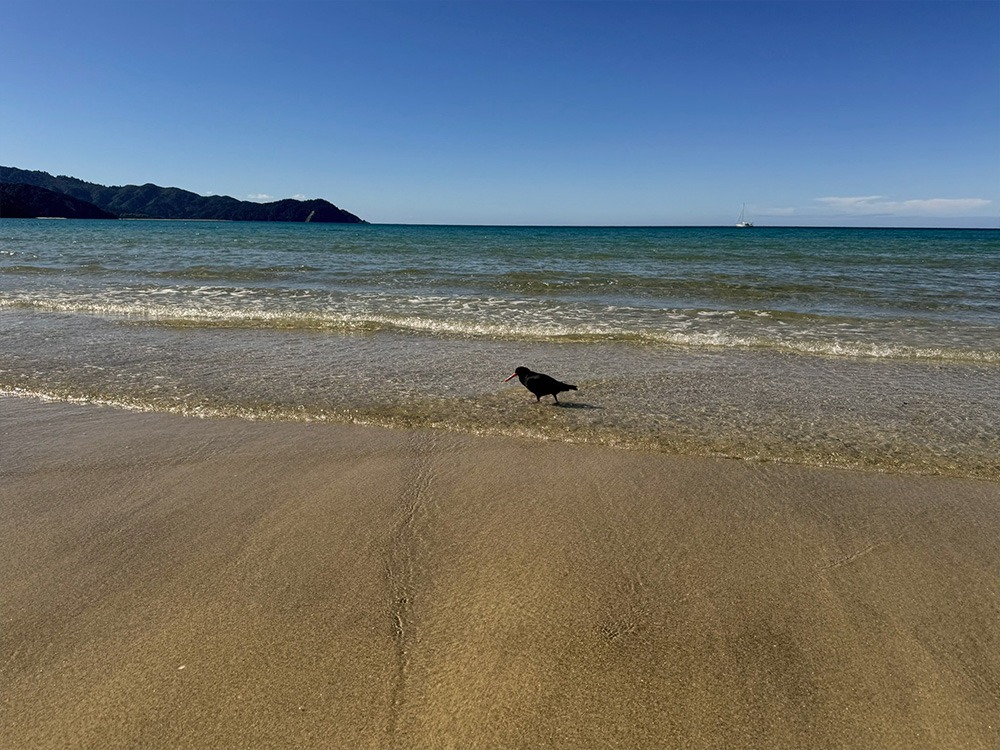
<point>368,323</point>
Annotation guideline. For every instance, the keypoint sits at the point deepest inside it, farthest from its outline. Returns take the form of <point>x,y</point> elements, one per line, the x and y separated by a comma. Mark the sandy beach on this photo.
<point>171,582</point>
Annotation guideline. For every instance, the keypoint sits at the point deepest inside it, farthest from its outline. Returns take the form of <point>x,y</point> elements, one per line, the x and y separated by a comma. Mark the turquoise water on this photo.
<point>847,347</point>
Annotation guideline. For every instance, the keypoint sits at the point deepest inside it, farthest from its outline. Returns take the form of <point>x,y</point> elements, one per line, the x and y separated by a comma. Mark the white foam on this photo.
<point>517,319</point>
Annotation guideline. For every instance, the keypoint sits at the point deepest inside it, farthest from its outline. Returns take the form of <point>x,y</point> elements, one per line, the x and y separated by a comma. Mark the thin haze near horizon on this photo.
<point>579,113</point>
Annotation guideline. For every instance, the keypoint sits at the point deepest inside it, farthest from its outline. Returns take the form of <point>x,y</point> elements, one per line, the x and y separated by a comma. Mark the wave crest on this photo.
<point>753,329</point>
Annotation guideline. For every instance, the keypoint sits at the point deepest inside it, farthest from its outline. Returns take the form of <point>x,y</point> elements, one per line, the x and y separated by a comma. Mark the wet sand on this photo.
<point>170,582</point>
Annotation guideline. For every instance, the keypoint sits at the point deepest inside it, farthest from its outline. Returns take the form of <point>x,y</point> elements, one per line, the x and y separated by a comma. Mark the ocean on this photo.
<point>869,349</point>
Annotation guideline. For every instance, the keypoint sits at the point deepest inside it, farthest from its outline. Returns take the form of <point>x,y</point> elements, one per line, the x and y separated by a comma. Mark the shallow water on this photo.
<point>861,348</point>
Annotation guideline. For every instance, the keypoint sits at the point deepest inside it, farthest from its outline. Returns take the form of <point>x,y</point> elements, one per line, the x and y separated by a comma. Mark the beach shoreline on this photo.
<point>181,582</point>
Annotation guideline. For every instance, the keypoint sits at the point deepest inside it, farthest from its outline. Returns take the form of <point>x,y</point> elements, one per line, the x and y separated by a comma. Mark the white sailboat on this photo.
<point>743,222</point>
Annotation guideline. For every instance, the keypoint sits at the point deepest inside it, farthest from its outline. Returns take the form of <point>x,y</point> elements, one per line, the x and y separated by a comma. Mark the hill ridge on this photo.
<point>151,201</point>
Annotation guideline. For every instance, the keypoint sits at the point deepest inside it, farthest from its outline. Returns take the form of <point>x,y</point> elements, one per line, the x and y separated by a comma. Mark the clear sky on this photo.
<point>858,113</point>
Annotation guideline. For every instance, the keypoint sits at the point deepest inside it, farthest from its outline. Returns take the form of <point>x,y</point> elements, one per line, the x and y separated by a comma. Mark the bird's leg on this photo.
<point>556,399</point>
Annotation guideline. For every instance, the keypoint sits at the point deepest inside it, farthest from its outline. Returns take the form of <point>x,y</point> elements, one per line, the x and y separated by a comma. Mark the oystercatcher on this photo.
<point>540,384</point>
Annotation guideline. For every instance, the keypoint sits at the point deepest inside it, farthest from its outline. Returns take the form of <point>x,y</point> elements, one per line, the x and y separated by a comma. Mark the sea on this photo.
<point>872,349</point>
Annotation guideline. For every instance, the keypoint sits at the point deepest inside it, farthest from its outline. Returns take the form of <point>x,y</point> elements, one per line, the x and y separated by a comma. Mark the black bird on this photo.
<point>540,384</point>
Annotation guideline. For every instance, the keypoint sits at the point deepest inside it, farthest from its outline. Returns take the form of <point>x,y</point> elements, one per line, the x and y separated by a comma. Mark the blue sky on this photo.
<point>812,113</point>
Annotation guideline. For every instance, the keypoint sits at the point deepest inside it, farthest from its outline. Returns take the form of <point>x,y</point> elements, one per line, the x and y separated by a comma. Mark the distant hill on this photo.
<point>29,202</point>
<point>154,202</point>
